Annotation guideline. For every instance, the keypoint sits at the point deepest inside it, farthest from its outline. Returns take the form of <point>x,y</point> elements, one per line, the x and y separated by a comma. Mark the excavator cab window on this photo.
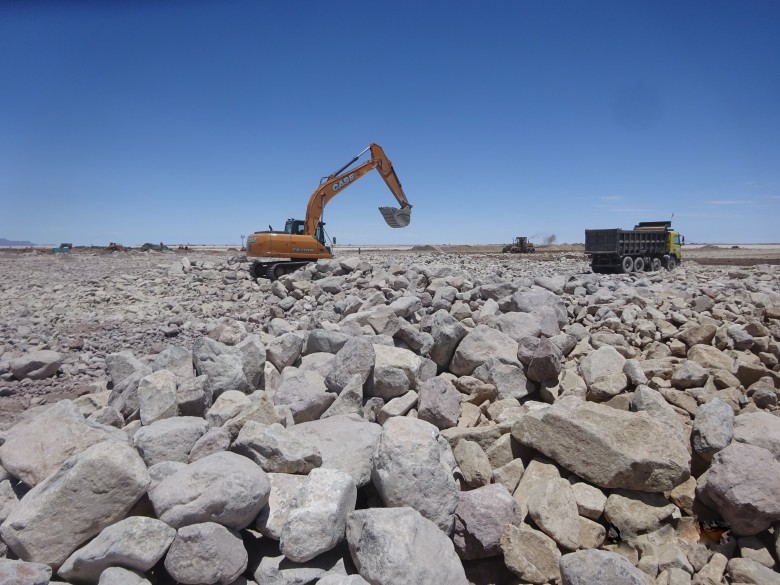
<point>294,226</point>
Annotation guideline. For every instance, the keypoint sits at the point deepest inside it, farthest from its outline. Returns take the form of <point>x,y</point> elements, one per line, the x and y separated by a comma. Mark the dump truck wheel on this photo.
<point>627,265</point>
<point>639,264</point>
<point>671,263</point>
<point>655,265</point>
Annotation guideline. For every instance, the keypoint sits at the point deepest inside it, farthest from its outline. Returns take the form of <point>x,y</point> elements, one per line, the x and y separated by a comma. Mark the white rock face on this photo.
<point>135,543</point>
<point>396,545</point>
<point>224,487</point>
<point>36,448</point>
<point>91,491</point>
<point>318,521</point>
<point>607,447</point>
<point>409,471</point>
<point>206,553</point>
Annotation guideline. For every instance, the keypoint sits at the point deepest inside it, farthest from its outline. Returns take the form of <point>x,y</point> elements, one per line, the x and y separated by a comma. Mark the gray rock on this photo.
<point>396,546</point>
<point>36,365</point>
<point>226,406</point>
<point>760,429</point>
<point>713,428</point>
<point>587,567</point>
<point>519,325</point>
<point>749,571</point>
<point>284,489</point>
<point>689,375</point>
<point>590,500</point>
<point>397,406</point>
<point>389,382</point>
<point>545,363</point>
<point>35,448</point>
<point>122,364</point>
<point>481,344</point>
<point>214,441</point>
<point>357,357</point>
<point>342,580</point>
<point>169,439</point>
<point>349,401</point>
<point>276,449</point>
<point>284,350</point>
<point>634,513</point>
<point>602,371</point>
<point>345,442</point>
<point>608,447</point>
<point>135,543</point>
<point>224,487</point>
<point>480,518</point>
<point>743,484</point>
<point>403,359</point>
<point>280,571</point>
<point>194,397</point>
<point>321,340</point>
<point>508,378</point>
<point>318,521</point>
<point>206,553</point>
<point>14,572</point>
<point>120,576</point>
<point>408,470</point>
<point>89,492</point>
<point>177,360</point>
<point>439,403</point>
<point>531,555</point>
<point>157,396</point>
<point>447,332</point>
<point>473,463</point>
<point>223,364</point>
<point>553,507</point>
<point>306,402</point>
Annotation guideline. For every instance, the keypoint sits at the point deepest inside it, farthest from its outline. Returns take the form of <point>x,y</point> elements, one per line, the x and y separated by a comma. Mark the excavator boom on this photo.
<point>335,184</point>
<point>304,241</point>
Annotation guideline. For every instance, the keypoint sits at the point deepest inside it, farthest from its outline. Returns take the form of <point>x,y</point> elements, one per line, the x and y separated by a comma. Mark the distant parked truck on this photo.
<point>649,246</point>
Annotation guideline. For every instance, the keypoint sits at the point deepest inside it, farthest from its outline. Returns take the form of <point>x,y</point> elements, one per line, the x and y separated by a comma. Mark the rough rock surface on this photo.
<point>608,380</point>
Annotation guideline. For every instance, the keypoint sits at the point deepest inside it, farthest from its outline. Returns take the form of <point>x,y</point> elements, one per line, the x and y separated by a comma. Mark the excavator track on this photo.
<point>275,270</point>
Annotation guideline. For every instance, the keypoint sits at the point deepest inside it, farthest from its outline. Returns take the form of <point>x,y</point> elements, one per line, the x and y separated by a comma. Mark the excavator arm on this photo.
<point>338,181</point>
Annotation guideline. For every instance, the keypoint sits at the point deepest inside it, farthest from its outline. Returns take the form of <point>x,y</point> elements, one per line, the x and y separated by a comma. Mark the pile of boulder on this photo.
<point>448,421</point>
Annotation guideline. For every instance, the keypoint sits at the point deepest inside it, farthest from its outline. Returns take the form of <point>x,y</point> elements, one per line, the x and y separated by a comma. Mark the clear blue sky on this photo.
<point>198,121</point>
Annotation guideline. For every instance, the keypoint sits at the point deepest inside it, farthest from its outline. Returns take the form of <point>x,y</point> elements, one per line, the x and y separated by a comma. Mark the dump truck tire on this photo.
<point>627,265</point>
<point>639,264</point>
<point>655,265</point>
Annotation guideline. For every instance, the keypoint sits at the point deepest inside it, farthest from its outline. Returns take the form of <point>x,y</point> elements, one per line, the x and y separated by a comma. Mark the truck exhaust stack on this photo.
<point>395,217</point>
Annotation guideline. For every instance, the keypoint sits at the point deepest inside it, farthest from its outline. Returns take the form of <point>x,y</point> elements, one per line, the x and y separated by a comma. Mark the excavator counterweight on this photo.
<point>303,241</point>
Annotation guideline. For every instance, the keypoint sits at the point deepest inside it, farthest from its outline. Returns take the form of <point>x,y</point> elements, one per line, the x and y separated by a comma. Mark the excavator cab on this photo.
<point>294,226</point>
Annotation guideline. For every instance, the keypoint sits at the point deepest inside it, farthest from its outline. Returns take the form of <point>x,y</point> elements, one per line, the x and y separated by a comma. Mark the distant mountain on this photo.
<point>4,242</point>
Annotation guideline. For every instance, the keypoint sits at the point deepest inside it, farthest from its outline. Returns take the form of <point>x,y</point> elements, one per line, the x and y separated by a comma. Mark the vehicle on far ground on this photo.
<point>521,245</point>
<point>303,240</point>
<point>649,246</point>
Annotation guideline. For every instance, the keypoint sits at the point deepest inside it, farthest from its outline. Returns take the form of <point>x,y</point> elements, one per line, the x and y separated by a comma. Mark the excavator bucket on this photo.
<point>395,217</point>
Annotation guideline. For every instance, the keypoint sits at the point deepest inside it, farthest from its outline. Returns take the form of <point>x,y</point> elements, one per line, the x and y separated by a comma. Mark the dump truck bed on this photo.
<point>625,242</point>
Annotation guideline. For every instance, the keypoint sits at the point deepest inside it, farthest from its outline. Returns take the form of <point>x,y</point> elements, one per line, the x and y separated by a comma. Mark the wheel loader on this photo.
<point>303,240</point>
<point>521,245</point>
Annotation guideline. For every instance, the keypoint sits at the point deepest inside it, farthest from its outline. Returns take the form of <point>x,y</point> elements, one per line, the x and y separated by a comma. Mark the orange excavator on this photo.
<point>303,240</point>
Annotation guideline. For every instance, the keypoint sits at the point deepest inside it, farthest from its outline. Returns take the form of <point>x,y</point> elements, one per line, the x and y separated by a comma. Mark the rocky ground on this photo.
<point>389,418</point>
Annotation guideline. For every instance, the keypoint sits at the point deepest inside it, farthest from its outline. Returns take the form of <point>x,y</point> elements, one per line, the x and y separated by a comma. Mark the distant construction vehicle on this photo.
<point>649,246</point>
<point>303,240</point>
<point>521,245</point>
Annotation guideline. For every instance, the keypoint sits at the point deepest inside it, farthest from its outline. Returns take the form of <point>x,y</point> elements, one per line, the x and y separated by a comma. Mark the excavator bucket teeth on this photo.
<point>395,217</point>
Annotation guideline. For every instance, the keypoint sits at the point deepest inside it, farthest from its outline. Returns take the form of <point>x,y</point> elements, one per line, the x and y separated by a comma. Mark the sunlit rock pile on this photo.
<point>392,420</point>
